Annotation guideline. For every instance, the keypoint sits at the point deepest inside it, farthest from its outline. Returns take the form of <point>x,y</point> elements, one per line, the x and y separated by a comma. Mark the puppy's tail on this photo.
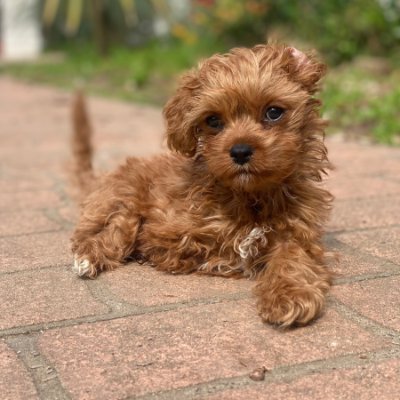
<point>82,174</point>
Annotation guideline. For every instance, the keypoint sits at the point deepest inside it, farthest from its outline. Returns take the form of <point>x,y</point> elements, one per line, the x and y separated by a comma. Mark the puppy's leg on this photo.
<point>291,290</point>
<point>103,239</point>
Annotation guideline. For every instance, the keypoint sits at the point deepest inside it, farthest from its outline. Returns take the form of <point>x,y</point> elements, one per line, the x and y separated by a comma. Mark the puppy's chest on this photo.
<point>236,249</point>
<point>232,234</point>
<point>215,238</point>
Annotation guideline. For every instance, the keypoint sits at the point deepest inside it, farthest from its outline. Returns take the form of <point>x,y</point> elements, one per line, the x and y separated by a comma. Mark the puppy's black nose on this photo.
<point>241,153</point>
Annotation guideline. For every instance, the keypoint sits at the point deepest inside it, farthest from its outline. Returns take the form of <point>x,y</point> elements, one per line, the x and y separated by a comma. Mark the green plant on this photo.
<point>340,29</point>
<point>146,74</point>
<point>360,102</point>
<point>106,22</point>
<point>382,115</point>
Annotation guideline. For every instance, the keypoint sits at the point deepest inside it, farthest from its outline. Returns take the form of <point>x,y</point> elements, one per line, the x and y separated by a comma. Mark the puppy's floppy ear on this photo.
<point>178,116</point>
<point>304,68</point>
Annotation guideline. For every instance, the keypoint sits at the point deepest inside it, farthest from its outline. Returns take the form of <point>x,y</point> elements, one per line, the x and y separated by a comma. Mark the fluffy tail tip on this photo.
<point>82,150</point>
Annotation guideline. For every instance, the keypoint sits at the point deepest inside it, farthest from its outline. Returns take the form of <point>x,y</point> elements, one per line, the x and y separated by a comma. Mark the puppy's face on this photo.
<point>248,113</point>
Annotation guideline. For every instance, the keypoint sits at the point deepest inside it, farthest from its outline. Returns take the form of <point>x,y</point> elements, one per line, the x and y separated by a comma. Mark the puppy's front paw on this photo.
<point>83,267</point>
<point>291,307</point>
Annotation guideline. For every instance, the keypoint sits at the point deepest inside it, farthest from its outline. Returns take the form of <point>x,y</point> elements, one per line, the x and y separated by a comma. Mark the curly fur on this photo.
<point>196,210</point>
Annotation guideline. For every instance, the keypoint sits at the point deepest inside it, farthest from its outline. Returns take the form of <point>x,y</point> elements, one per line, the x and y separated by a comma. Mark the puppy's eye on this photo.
<point>273,114</point>
<point>215,122</point>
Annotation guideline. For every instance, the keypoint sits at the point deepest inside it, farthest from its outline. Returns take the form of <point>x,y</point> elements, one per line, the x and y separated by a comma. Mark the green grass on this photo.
<point>364,101</point>
<point>144,74</point>
<point>360,99</point>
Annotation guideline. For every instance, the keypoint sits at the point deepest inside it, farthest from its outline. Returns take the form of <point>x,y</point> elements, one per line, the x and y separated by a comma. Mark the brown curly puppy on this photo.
<point>240,193</point>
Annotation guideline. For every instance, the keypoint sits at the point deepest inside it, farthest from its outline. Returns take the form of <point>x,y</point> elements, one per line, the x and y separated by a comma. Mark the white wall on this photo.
<point>20,29</point>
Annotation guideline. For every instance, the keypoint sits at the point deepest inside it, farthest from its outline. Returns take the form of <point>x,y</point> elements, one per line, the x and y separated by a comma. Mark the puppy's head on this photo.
<point>250,113</point>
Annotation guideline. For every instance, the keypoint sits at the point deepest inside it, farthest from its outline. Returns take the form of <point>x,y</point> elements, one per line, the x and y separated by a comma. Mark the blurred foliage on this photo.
<point>360,39</point>
<point>362,99</point>
<point>340,29</point>
<point>103,22</point>
<point>75,11</point>
<point>147,74</point>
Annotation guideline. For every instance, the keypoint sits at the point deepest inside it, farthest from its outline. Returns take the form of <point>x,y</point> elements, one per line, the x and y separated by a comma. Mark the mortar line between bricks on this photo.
<point>365,323</point>
<point>25,191</point>
<point>366,277</point>
<point>359,253</point>
<point>53,215</point>
<point>62,181</point>
<point>376,175</point>
<point>370,197</point>
<point>364,229</point>
<point>133,311</point>
<point>104,295</point>
<point>33,270</point>
<point>36,233</point>
<point>15,235</point>
<point>287,373</point>
<point>43,373</point>
<point>390,179</point>
<point>6,210</point>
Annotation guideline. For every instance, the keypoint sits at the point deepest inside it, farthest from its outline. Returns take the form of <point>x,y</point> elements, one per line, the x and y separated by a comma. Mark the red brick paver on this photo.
<point>380,381</point>
<point>377,299</point>
<point>144,286</point>
<point>383,243</point>
<point>41,250</point>
<point>15,381</point>
<point>138,333</point>
<point>175,349</point>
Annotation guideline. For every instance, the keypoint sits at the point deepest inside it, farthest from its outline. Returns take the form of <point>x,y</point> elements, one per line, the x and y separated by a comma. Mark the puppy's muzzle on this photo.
<point>241,153</point>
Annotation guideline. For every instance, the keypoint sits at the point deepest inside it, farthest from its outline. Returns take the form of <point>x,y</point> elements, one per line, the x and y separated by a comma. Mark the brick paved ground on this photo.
<point>137,333</point>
